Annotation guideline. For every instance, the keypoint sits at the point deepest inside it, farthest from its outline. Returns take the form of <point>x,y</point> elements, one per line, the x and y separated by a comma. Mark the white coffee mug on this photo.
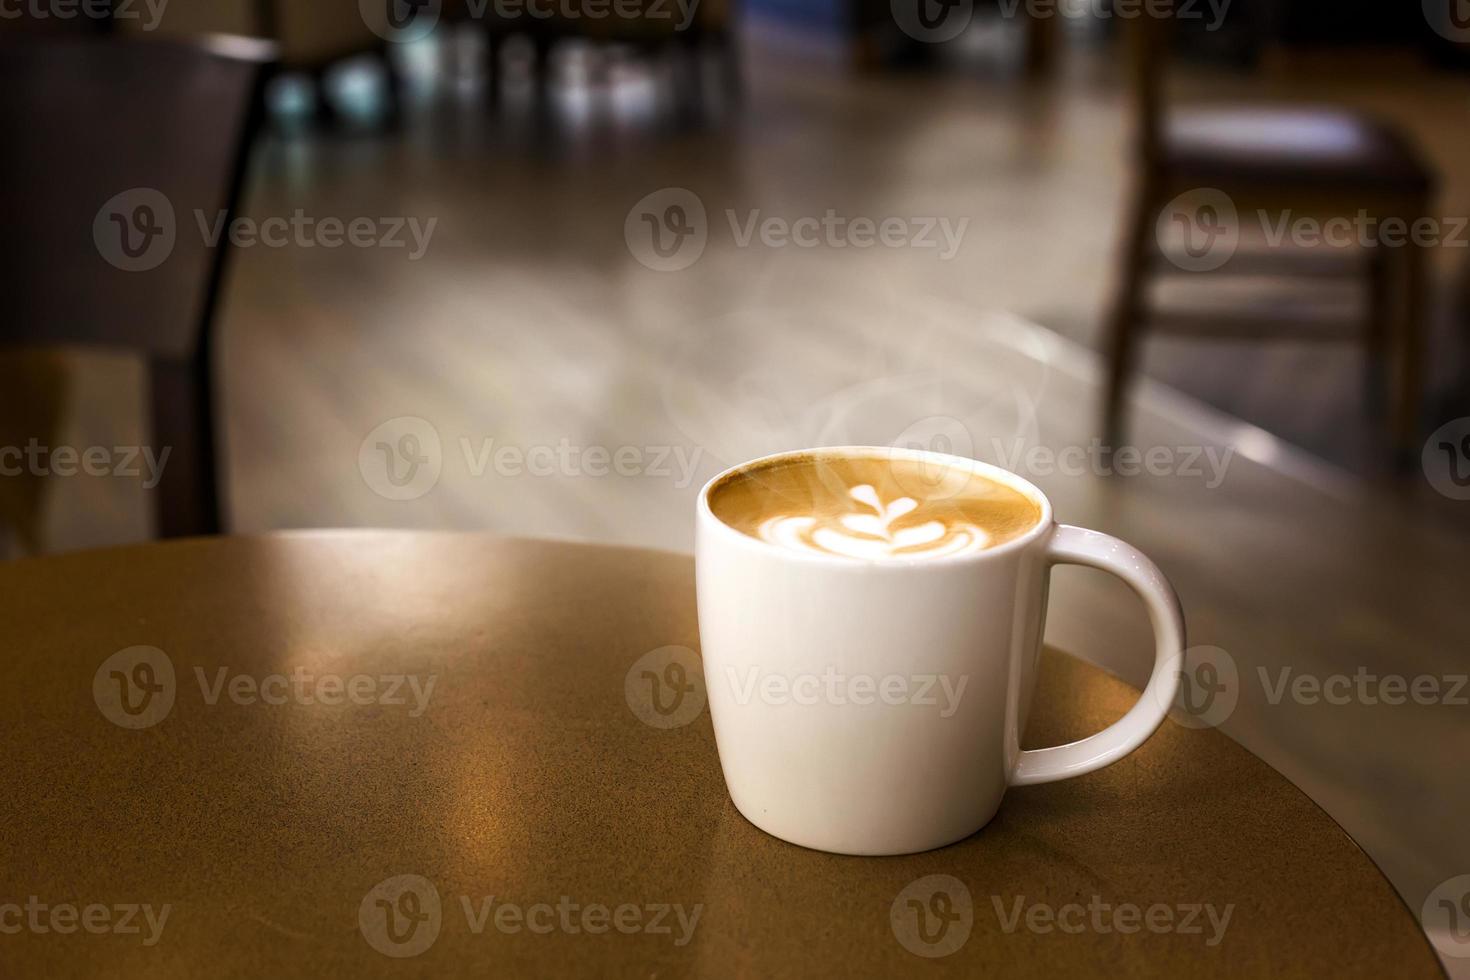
<point>876,707</point>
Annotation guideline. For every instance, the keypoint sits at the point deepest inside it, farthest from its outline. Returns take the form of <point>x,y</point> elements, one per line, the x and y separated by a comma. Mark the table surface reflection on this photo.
<point>336,710</point>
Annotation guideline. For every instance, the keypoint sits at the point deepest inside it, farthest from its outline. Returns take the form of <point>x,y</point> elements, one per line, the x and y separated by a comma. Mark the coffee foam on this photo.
<point>872,508</point>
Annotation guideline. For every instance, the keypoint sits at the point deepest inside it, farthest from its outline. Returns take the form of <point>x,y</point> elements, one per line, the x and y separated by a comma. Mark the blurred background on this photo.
<point>1041,158</point>
<point>1200,270</point>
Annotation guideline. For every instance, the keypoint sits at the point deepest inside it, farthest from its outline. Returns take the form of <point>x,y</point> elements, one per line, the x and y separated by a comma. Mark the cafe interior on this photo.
<point>356,290</point>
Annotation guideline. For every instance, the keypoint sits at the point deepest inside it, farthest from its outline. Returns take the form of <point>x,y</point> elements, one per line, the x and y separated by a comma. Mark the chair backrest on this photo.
<point>117,151</point>
<point>309,33</point>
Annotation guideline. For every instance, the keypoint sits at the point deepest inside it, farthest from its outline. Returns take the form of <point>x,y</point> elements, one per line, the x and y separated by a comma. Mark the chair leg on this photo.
<point>1409,387</point>
<point>1125,317</point>
<point>727,54</point>
<point>492,68</point>
<point>683,54</point>
<point>1043,35</point>
<point>186,500</point>
<point>1382,304</point>
<point>395,88</point>
<point>541,45</point>
<point>326,114</point>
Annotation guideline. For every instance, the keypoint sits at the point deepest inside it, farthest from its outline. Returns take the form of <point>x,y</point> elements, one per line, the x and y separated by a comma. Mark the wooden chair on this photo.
<point>311,36</point>
<point>1311,159</point>
<point>83,121</point>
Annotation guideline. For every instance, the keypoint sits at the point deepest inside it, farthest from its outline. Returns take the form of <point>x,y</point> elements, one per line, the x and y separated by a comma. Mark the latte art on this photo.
<point>870,532</point>
<point>875,507</point>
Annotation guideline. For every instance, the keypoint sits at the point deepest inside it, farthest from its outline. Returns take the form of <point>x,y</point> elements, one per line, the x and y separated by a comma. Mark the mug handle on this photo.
<point>1079,546</point>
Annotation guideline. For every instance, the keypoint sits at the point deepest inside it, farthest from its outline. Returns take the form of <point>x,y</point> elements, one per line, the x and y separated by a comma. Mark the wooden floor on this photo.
<point>528,321</point>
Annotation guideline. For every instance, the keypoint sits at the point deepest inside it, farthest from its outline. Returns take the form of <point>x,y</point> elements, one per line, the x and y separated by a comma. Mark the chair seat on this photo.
<point>1315,147</point>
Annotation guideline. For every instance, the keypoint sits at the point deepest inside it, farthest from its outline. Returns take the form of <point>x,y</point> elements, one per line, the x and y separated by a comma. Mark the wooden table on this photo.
<point>278,834</point>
